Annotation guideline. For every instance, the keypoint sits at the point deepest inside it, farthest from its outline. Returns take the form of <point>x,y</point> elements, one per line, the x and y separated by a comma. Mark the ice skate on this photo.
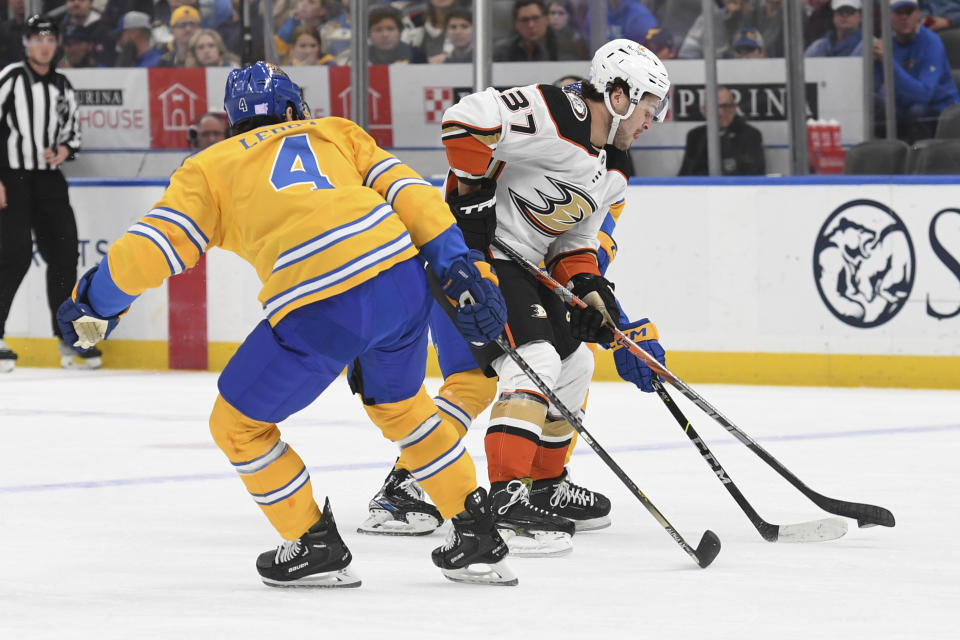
<point>587,509</point>
<point>319,558</point>
<point>8,359</point>
<point>400,509</point>
<point>528,530</point>
<point>77,358</point>
<point>474,552</point>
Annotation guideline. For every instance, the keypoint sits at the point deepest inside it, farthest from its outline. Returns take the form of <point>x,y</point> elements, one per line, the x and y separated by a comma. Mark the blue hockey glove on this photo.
<point>472,287</point>
<point>80,325</point>
<point>631,368</point>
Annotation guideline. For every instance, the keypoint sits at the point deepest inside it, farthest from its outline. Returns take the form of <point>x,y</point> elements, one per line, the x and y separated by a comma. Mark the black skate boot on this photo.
<point>529,530</point>
<point>400,509</point>
<point>474,552</point>
<point>319,558</point>
<point>77,358</point>
<point>8,359</point>
<point>588,509</point>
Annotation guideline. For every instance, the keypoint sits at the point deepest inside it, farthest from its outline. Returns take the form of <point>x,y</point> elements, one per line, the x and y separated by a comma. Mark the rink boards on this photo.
<point>802,281</point>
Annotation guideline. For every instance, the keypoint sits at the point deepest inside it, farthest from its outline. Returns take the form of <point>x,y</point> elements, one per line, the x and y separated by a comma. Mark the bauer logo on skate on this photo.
<point>556,213</point>
<point>864,263</point>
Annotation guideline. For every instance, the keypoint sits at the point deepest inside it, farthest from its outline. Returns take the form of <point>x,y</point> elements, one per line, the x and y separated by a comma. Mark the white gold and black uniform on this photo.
<point>553,190</point>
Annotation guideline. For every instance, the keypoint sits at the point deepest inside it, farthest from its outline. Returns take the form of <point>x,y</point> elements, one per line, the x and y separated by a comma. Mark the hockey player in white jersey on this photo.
<point>539,167</point>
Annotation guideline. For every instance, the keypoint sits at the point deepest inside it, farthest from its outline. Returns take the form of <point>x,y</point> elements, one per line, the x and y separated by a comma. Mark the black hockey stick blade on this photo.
<point>708,549</point>
<point>814,531</point>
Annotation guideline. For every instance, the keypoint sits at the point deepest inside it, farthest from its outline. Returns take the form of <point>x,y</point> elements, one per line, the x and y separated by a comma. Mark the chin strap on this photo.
<point>615,124</point>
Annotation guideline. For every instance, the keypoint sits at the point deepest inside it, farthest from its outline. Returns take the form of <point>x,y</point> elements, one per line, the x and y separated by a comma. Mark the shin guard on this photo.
<point>430,448</point>
<point>272,471</point>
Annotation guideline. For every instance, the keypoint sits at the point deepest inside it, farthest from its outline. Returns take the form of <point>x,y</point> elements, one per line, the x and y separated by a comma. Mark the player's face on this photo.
<point>639,121</point>
<point>40,48</point>
<point>459,32</point>
<point>384,35</point>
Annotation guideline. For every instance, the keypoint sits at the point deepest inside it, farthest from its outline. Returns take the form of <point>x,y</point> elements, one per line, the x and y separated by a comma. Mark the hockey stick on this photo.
<point>866,515</point>
<point>709,545</point>
<point>813,531</point>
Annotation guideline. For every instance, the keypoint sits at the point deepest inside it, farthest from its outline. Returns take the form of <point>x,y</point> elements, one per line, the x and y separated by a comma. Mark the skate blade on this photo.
<point>382,523</point>
<point>343,579</point>
<point>498,573</point>
<point>76,362</point>
<point>541,544</point>
<point>592,524</point>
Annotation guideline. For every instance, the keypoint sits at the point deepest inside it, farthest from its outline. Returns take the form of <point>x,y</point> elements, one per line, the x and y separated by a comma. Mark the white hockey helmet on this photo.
<point>639,68</point>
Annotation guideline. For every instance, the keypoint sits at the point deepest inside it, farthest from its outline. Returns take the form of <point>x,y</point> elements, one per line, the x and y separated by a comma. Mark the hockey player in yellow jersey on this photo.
<point>337,230</point>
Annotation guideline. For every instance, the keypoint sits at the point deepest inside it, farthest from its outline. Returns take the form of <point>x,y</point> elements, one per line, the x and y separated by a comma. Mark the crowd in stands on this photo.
<point>199,33</point>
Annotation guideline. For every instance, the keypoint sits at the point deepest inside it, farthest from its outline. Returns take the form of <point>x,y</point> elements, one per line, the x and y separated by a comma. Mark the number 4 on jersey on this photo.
<point>296,163</point>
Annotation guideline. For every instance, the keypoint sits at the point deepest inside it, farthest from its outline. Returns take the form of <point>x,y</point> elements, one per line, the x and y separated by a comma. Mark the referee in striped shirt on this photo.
<point>38,132</point>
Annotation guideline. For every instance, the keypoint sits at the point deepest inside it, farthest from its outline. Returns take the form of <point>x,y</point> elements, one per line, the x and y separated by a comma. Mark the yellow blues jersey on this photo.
<point>554,188</point>
<point>314,205</point>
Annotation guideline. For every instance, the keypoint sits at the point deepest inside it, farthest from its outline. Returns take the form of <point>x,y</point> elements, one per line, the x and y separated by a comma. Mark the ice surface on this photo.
<point>119,518</point>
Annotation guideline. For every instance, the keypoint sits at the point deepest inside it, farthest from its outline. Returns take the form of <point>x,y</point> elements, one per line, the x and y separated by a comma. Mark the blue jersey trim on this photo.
<point>104,295</point>
<point>444,250</point>
<point>173,269</point>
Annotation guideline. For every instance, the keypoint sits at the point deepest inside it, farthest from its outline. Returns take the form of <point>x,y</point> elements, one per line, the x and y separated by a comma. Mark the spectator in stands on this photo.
<point>675,16</point>
<point>846,36</point>
<point>768,18</point>
<point>459,36</point>
<point>208,130</point>
<point>563,23</point>
<point>184,23</point>
<point>326,16</point>
<point>207,50</point>
<point>819,20</point>
<point>81,13</point>
<point>212,13</point>
<point>307,49</point>
<point>728,20</point>
<point>940,14</point>
<point>135,44</point>
<point>533,40</point>
<point>626,19</point>
<point>11,34</point>
<point>430,37</point>
<point>384,26</point>
<point>741,145</point>
<point>565,81</point>
<point>748,43</point>
<point>78,48</point>
<point>114,10</point>
<point>661,42</point>
<point>232,34</point>
<point>922,79</point>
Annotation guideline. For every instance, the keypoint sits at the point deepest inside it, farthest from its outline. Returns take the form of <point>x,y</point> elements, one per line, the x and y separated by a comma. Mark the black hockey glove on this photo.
<point>587,325</point>
<point>476,214</point>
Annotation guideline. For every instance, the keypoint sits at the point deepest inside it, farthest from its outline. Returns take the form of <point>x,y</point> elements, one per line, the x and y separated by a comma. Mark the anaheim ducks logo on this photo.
<point>555,214</point>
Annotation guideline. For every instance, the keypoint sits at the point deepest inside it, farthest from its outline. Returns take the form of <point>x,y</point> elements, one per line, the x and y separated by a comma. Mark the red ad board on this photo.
<point>378,105</point>
<point>177,98</point>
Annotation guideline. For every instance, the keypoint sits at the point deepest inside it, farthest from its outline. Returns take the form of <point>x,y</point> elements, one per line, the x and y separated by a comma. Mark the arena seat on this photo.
<point>948,124</point>
<point>885,157</point>
<point>937,157</point>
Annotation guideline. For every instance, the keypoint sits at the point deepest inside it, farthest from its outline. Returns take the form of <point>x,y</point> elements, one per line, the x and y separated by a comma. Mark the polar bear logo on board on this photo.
<point>863,263</point>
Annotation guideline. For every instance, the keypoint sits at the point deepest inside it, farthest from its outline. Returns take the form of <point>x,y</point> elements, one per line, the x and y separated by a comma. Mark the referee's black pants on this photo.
<point>37,201</point>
